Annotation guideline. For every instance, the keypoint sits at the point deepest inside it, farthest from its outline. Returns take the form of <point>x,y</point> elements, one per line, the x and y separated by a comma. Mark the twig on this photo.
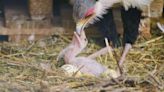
<point>2,55</point>
<point>64,38</point>
<point>12,56</point>
<point>29,48</point>
<point>111,55</point>
<point>22,64</point>
<point>83,85</point>
<point>117,61</point>
<point>148,42</point>
<point>78,70</point>
<point>24,57</point>
<point>159,85</point>
<point>109,49</point>
<point>111,81</point>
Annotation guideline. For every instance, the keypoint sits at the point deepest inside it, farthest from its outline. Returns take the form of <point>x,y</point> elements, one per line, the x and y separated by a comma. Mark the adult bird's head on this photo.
<point>88,11</point>
<point>82,23</point>
<point>83,11</point>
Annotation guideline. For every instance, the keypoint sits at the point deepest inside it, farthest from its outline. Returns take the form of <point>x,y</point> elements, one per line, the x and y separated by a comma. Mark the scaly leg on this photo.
<point>123,57</point>
<point>125,52</point>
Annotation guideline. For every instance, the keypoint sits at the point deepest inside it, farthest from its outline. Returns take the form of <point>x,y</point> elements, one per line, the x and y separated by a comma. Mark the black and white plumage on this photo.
<point>96,9</point>
<point>88,11</point>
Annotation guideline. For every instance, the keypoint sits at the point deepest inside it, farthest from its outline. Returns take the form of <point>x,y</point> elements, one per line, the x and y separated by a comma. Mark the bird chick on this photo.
<point>82,65</point>
<point>85,65</point>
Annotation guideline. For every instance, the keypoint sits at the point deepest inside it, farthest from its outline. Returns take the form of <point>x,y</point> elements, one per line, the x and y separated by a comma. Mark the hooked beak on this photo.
<point>81,24</point>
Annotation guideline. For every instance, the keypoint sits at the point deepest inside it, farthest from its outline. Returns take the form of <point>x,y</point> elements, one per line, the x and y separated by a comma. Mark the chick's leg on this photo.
<point>102,51</point>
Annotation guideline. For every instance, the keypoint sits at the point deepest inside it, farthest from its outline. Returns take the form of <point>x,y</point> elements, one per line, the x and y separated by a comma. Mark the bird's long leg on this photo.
<point>131,20</point>
<point>127,47</point>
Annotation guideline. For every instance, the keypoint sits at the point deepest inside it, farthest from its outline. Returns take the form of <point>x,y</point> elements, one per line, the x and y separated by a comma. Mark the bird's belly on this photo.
<point>89,66</point>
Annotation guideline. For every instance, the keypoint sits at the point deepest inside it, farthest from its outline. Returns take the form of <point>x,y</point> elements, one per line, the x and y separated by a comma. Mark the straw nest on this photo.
<point>33,67</point>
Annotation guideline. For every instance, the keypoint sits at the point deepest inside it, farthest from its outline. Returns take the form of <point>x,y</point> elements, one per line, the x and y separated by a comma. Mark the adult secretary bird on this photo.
<point>88,11</point>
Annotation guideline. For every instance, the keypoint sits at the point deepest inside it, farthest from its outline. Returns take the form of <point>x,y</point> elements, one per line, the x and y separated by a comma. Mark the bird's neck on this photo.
<point>71,54</point>
<point>101,6</point>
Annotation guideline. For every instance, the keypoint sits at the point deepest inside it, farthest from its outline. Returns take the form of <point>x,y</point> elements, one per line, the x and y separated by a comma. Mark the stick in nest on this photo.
<point>111,55</point>
<point>109,49</point>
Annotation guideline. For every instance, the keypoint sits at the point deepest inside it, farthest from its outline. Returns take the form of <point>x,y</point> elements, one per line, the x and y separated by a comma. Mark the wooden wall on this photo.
<point>39,16</point>
<point>40,8</point>
<point>155,10</point>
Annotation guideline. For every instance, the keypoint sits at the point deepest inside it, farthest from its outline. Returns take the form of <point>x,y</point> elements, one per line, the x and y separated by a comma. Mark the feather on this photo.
<point>140,4</point>
<point>80,8</point>
<point>101,7</point>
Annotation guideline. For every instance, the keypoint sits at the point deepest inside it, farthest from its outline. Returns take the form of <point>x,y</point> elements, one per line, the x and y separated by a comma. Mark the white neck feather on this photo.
<point>101,7</point>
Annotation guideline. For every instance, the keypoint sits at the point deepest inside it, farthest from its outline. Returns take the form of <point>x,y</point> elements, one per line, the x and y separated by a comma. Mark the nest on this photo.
<point>33,67</point>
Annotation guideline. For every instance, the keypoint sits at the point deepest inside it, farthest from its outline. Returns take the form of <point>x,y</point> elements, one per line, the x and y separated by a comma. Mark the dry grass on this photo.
<point>33,68</point>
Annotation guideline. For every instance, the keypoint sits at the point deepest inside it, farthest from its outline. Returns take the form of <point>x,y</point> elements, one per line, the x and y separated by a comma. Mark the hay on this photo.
<point>33,67</point>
